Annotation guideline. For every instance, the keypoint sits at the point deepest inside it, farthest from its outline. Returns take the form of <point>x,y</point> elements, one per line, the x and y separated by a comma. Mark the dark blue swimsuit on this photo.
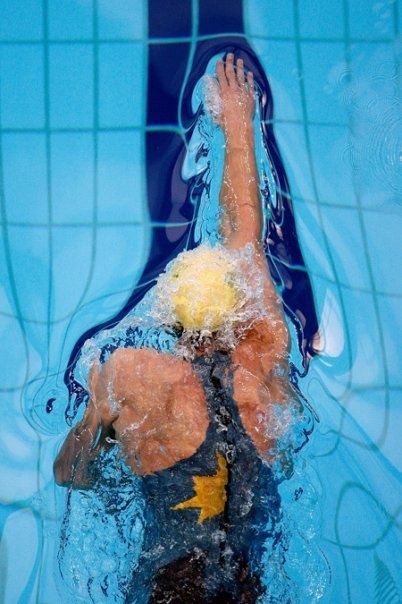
<point>218,559</point>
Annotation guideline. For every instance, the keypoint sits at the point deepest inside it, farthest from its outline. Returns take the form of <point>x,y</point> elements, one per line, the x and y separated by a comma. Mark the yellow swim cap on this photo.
<point>202,289</point>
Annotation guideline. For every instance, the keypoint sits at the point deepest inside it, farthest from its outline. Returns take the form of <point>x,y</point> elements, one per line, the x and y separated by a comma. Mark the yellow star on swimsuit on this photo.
<point>210,492</point>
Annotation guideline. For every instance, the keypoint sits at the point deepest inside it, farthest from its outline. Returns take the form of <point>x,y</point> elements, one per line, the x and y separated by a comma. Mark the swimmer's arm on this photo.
<point>87,439</point>
<point>242,216</point>
<point>240,197</point>
<point>81,447</point>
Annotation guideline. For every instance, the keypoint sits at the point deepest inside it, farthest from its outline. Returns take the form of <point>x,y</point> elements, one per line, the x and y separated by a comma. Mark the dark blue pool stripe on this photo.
<point>169,18</point>
<point>220,16</point>
<point>170,199</point>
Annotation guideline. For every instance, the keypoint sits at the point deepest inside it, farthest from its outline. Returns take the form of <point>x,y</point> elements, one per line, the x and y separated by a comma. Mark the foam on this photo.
<point>212,97</point>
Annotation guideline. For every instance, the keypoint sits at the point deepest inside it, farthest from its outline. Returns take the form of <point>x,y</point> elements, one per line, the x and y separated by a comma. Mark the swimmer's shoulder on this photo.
<point>263,345</point>
<point>148,367</point>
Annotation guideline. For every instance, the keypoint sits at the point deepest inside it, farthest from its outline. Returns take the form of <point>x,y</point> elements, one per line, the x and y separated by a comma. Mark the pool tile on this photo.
<point>165,157</point>
<point>169,19</point>
<point>15,362</point>
<point>371,19</point>
<point>321,19</point>
<point>346,246</point>
<point>391,447</point>
<point>330,153</point>
<point>376,124</point>
<point>120,84</point>
<point>22,83</point>
<point>391,319</point>
<point>166,241</point>
<point>219,17</point>
<point>280,64</point>
<point>273,20</point>
<point>21,20</point>
<point>384,242</point>
<point>311,239</point>
<point>71,85</point>
<point>121,19</point>
<point>367,364</point>
<point>20,531</point>
<point>323,66</point>
<point>167,66</point>
<point>25,174</point>
<point>73,249</point>
<point>120,254</point>
<point>70,20</point>
<point>293,149</point>
<point>120,177</point>
<point>368,410</point>
<point>72,174</point>
<point>29,248</point>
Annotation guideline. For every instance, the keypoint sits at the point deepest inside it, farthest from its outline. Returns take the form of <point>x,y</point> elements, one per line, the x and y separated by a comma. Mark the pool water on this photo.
<point>84,217</point>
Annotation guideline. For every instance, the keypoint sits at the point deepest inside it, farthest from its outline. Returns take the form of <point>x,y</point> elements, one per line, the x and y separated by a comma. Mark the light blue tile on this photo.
<point>391,447</point>
<point>311,238</point>
<point>292,146</point>
<point>374,101</point>
<point>30,259</point>
<point>330,151</point>
<point>120,254</point>
<point>321,19</point>
<point>22,86</point>
<point>322,65</point>
<point>72,270</point>
<point>269,18</point>
<point>21,20</point>
<point>371,19</point>
<point>71,19</point>
<point>121,19</point>
<point>120,176</point>
<point>280,64</point>
<point>71,85</point>
<point>391,319</point>
<point>72,163</point>
<point>366,368</point>
<point>120,84</point>
<point>398,7</point>
<point>25,169</point>
<point>367,408</point>
<point>346,246</point>
<point>384,242</point>
<point>13,363</point>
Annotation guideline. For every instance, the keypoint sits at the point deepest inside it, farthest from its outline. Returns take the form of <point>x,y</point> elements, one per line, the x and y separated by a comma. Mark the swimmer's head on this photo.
<point>198,290</point>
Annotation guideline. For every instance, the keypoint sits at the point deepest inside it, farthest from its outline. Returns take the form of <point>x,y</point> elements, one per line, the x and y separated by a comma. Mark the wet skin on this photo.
<point>163,415</point>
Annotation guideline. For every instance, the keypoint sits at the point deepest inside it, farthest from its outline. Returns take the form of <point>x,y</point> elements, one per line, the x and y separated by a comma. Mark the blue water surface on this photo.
<point>76,234</point>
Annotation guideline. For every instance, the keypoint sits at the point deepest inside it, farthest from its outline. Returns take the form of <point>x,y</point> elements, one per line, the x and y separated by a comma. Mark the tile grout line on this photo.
<point>366,247</point>
<point>186,39</point>
<point>95,149</point>
<point>147,230</point>
<point>296,9</point>
<point>193,46</point>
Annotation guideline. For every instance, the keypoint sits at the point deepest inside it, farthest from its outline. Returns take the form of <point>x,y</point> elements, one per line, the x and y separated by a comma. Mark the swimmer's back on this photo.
<point>164,418</point>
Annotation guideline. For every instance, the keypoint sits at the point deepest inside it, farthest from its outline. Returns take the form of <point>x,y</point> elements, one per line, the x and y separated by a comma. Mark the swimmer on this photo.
<point>197,430</point>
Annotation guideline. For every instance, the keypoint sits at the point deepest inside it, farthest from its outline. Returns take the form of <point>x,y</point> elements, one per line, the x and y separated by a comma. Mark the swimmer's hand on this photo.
<point>237,96</point>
